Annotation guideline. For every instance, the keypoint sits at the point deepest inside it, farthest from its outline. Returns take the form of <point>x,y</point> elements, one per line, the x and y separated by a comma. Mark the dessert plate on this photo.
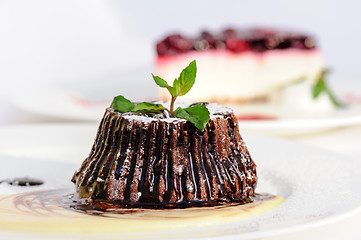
<point>88,104</point>
<point>290,123</point>
<point>319,187</point>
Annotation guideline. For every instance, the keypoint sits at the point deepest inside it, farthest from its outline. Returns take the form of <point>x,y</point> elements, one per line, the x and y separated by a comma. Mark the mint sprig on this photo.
<point>181,85</point>
<point>321,87</point>
<point>197,114</point>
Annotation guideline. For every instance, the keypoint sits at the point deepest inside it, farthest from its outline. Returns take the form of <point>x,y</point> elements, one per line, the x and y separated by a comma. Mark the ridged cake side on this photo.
<point>137,160</point>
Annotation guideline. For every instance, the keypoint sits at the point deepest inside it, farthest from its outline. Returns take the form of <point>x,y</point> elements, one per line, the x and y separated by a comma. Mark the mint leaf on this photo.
<point>186,79</point>
<point>121,104</point>
<point>146,107</point>
<point>321,87</point>
<point>163,84</point>
<point>197,114</point>
<point>334,100</point>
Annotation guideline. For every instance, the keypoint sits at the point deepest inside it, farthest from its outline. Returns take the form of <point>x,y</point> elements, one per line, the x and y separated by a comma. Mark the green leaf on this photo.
<point>186,79</point>
<point>163,84</point>
<point>321,87</point>
<point>121,104</point>
<point>197,114</point>
<point>146,107</point>
<point>318,88</point>
<point>334,100</point>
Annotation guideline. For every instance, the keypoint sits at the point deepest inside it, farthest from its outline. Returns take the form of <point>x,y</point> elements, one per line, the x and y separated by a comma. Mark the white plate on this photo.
<point>304,122</point>
<point>53,174</point>
<point>319,187</point>
<point>88,104</point>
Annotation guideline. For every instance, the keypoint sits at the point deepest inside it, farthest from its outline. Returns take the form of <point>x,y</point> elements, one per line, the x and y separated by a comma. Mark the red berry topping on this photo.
<point>236,41</point>
<point>229,32</point>
<point>236,45</point>
<point>162,48</point>
<point>209,38</point>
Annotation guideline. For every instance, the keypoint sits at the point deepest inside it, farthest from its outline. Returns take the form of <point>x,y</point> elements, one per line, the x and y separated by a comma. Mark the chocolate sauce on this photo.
<point>106,209</point>
<point>43,202</point>
<point>64,213</point>
<point>87,204</point>
<point>23,181</point>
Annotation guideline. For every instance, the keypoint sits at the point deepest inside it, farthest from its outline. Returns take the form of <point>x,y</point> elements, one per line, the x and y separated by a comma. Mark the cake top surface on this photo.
<point>213,108</point>
<point>235,40</point>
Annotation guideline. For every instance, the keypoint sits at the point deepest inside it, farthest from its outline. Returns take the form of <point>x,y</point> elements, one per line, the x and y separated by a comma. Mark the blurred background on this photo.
<point>90,46</point>
<point>50,50</point>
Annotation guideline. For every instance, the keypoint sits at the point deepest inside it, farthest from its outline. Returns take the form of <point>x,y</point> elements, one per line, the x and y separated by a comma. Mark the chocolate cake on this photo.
<point>154,160</point>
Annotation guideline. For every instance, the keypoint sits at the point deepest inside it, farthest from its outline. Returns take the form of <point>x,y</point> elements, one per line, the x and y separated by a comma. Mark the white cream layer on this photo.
<point>228,76</point>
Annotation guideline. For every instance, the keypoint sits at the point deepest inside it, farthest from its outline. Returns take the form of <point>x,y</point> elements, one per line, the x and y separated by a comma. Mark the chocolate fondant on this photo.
<point>155,160</point>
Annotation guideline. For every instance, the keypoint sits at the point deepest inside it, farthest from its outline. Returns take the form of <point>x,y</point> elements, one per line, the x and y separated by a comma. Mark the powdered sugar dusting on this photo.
<point>146,119</point>
<point>213,108</point>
